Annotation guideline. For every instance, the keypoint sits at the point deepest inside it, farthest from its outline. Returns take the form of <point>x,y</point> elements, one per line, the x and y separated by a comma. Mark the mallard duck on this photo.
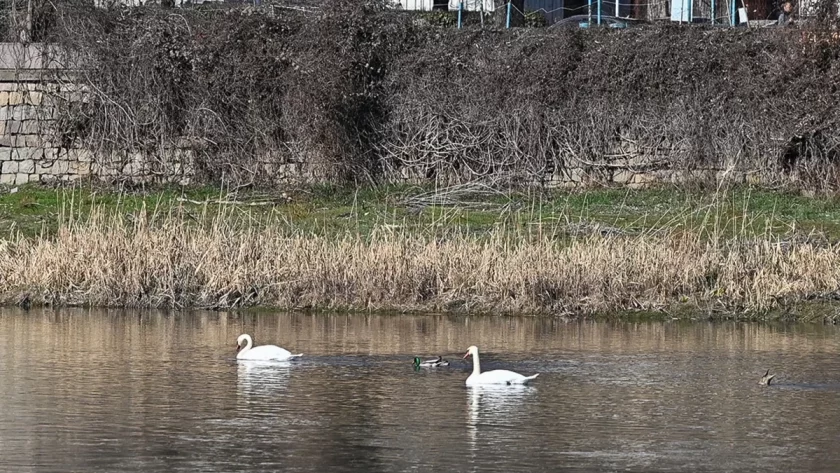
<point>766,379</point>
<point>434,363</point>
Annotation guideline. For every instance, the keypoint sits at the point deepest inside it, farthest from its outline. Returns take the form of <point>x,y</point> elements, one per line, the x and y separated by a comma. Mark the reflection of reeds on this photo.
<point>149,259</point>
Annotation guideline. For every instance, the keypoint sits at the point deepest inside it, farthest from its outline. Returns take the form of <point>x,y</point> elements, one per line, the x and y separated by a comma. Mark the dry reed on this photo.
<point>152,260</point>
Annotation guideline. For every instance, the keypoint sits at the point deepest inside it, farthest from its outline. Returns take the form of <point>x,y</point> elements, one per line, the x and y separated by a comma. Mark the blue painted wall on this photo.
<point>553,9</point>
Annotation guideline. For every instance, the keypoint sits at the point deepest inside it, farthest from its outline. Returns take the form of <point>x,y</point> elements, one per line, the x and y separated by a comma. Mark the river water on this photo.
<point>122,391</point>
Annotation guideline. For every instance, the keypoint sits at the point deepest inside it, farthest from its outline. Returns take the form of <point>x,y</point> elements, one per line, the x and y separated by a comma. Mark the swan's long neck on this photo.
<point>248,343</point>
<point>476,363</point>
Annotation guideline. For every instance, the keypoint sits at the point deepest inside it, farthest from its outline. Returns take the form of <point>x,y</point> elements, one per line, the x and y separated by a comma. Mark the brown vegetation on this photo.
<point>160,261</point>
<point>358,93</point>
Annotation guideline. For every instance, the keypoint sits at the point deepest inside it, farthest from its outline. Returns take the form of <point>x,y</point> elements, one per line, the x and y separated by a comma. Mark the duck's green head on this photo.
<point>416,361</point>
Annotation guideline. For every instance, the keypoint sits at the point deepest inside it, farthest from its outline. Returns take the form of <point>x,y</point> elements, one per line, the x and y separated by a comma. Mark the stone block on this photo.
<point>8,179</point>
<point>32,141</point>
<point>269,168</point>
<point>643,178</point>
<point>24,112</point>
<point>5,112</point>
<point>50,154</point>
<point>78,167</point>
<point>102,170</point>
<point>74,96</point>
<point>555,180</point>
<point>44,167</point>
<point>35,98</point>
<point>5,154</point>
<point>133,168</point>
<point>84,155</point>
<point>36,154</point>
<point>78,154</point>
<point>5,141</point>
<point>15,98</point>
<point>288,169</point>
<point>13,127</point>
<point>47,112</point>
<point>4,98</point>
<point>21,178</point>
<point>47,179</point>
<point>622,176</point>
<point>680,177</point>
<point>61,167</point>
<point>9,167</point>
<point>27,166</point>
<point>30,127</point>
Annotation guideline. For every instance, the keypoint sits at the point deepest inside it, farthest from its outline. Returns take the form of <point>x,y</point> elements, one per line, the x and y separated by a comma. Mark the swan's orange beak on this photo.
<point>467,355</point>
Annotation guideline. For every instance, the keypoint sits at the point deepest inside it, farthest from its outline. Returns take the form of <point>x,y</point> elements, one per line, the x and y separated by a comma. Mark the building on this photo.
<point>452,5</point>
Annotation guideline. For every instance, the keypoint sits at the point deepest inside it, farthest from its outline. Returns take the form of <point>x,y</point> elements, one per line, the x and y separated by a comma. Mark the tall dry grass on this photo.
<point>152,260</point>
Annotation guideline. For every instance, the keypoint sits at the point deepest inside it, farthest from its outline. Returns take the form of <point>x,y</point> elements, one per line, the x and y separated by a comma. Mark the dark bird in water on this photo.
<point>433,363</point>
<point>766,379</point>
<point>25,302</point>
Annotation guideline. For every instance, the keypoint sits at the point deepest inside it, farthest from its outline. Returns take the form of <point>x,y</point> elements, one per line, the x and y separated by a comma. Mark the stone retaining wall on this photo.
<point>25,154</point>
<point>31,151</point>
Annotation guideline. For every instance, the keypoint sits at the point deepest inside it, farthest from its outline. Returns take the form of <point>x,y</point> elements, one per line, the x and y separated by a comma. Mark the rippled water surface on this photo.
<point>107,391</point>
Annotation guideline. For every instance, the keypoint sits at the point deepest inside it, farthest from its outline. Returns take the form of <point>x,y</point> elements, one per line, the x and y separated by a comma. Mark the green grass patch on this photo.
<point>741,212</point>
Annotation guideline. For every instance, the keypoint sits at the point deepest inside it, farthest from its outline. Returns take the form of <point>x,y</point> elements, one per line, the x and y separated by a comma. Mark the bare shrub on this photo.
<point>355,92</point>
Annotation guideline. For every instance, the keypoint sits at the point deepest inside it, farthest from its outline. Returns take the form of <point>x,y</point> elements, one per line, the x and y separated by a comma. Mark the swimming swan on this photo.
<point>263,352</point>
<point>495,376</point>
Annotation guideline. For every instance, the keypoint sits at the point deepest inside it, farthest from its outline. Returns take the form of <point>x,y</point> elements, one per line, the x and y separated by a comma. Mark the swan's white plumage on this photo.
<point>495,376</point>
<point>263,352</point>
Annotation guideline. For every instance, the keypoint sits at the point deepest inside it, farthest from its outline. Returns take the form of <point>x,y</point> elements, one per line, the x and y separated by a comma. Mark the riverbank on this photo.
<point>741,253</point>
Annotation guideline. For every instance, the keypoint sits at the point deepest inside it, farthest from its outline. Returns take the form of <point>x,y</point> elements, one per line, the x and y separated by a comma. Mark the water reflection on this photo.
<point>496,403</point>
<point>492,408</point>
<point>262,378</point>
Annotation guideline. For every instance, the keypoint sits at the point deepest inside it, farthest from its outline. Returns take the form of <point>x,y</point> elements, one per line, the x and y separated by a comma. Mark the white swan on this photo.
<point>495,376</point>
<point>264,352</point>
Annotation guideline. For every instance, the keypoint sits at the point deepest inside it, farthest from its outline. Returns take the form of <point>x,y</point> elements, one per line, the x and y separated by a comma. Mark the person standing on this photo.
<point>786,16</point>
